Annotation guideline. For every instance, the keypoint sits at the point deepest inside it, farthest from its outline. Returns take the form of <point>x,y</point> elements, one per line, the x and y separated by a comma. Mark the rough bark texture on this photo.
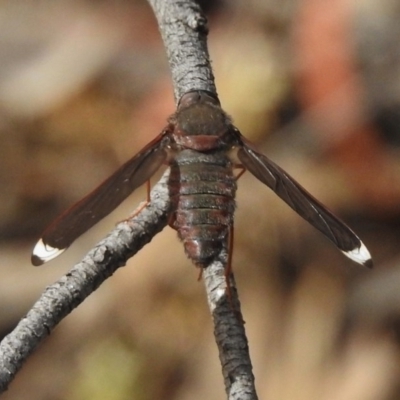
<point>229,333</point>
<point>184,30</point>
<point>59,299</point>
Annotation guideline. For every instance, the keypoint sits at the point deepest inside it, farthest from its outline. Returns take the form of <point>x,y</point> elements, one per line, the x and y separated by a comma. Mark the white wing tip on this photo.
<point>360,255</point>
<point>43,253</point>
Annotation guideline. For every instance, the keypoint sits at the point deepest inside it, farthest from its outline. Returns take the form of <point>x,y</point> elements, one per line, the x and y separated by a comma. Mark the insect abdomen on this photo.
<point>202,192</point>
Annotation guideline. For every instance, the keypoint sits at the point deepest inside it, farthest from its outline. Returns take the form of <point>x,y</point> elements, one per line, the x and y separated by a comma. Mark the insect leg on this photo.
<point>148,187</point>
<point>243,170</point>
<point>143,204</point>
<point>200,274</point>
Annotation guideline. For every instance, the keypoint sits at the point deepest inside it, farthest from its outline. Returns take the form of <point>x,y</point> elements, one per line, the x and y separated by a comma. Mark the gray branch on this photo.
<point>59,299</point>
<point>184,31</point>
<point>229,333</point>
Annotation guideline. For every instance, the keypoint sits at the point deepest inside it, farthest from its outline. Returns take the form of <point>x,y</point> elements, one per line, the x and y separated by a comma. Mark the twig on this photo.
<point>184,31</point>
<point>59,299</point>
<point>183,28</point>
<point>229,333</point>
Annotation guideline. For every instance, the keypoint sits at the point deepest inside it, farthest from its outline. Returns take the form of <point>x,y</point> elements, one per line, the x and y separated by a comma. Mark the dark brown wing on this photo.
<point>304,204</point>
<point>91,209</point>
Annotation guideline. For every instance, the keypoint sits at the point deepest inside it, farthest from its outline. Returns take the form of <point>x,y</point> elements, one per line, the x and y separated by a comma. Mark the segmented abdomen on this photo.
<point>203,191</point>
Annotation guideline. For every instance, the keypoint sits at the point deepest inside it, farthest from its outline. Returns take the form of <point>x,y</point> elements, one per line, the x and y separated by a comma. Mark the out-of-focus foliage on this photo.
<point>84,85</point>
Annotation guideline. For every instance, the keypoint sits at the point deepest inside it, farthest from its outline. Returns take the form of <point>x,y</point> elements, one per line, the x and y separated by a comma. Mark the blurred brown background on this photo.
<point>316,84</point>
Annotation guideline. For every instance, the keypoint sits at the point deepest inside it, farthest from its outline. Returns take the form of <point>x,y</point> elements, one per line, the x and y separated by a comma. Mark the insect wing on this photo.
<point>91,209</point>
<point>304,204</point>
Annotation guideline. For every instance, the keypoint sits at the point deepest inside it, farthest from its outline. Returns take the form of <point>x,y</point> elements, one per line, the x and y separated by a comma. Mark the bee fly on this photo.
<point>202,148</point>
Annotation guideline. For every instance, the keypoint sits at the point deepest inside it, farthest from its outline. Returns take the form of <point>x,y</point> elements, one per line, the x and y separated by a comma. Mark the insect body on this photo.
<point>203,189</point>
<point>202,148</point>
